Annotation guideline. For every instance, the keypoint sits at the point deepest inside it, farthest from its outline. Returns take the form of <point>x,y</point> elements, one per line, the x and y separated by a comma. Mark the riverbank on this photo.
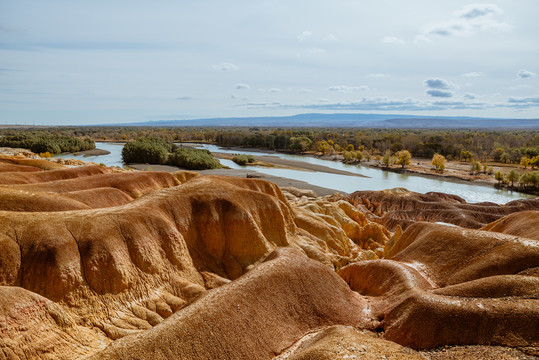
<point>292,165</point>
<point>246,173</point>
<point>86,153</point>
<point>455,171</point>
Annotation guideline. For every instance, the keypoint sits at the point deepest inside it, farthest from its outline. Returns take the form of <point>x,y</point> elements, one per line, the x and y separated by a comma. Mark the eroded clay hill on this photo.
<point>402,207</point>
<point>92,261</point>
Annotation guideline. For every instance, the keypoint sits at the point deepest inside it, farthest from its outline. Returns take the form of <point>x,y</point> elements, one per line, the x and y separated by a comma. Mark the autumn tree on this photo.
<point>439,162</point>
<point>476,167</point>
<point>403,158</point>
<point>525,161</point>
<point>387,159</point>
<point>466,155</point>
<point>534,161</point>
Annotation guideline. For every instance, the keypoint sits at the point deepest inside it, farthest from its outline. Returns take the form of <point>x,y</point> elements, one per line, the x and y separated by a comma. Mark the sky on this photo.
<point>95,62</point>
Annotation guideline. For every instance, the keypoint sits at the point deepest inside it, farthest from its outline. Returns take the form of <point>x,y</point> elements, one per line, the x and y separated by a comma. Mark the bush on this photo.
<point>146,151</point>
<point>42,143</point>
<point>193,159</point>
<point>244,159</point>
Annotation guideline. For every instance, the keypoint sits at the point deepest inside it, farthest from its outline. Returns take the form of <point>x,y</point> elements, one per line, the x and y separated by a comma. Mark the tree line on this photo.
<point>46,143</point>
<point>504,145</point>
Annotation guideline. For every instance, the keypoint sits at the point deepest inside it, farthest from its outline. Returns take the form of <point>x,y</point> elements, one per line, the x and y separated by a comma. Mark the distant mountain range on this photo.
<point>353,120</point>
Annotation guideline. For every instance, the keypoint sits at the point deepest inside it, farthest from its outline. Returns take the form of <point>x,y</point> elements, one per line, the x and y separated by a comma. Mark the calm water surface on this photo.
<point>112,159</point>
<point>376,179</point>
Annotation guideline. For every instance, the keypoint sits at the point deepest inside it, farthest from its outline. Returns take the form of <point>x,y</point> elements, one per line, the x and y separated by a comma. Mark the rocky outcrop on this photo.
<point>400,207</point>
<point>442,285</point>
<point>524,224</point>
<point>255,317</point>
<point>52,175</point>
<point>150,265</point>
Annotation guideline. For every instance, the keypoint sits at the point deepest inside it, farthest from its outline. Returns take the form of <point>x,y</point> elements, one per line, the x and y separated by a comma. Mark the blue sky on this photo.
<point>95,62</point>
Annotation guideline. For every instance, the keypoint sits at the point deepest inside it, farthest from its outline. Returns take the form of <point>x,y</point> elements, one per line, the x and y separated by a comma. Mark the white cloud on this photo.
<point>305,91</point>
<point>437,83</point>
<point>522,102</point>
<point>438,88</point>
<point>275,90</point>
<point>525,74</point>
<point>439,93</point>
<point>379,75</point>
<point>242,87</point>
<point>474,74</point>
<point>469,96</point>
<point>330,37</point>
<point>470,20</point>
<point>392,40</point>
<point>525,101</point>
<point>225,66</point>
<point>474,11</point>
<point>304,35</point>
<point>345,88</point>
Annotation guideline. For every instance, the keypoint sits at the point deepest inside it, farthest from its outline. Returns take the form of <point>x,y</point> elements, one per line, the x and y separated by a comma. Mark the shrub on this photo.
<point>244,159</point>
<point>193,159</point>
<point>146,151</point>
<point>476,167</point>
<point>43,142</point>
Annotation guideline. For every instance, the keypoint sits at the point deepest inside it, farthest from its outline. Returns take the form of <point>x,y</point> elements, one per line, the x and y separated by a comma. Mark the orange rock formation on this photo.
<point>402,207</point>
<point>92,261</point>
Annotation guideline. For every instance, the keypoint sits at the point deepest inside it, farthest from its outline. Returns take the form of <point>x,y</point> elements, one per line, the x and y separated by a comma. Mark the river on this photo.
<point>376,179</point>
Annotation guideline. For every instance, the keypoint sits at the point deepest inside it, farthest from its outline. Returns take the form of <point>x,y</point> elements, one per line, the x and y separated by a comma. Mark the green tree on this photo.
<point>505,158</point>
<point>146,151</point>
<point>499,176</point>
<point>513,176</point>
<point>193,159</point>
<point>244,159</point>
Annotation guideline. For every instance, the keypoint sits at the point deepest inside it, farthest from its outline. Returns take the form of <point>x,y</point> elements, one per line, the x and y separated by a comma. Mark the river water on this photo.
<point>376,179</point>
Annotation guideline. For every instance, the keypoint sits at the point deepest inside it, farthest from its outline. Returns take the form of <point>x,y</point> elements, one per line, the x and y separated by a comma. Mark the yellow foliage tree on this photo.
<point>439,162</point>
<point>403,158</point>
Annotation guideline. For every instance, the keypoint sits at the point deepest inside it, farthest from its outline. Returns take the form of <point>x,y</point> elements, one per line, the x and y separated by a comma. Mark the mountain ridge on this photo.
<point>351,120</point>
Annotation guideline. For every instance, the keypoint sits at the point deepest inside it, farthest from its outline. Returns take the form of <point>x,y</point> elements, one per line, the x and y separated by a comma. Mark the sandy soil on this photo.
<point>93,152</point>
<point>455,170</point>
<point>293,164</point>
<point>251,173</point>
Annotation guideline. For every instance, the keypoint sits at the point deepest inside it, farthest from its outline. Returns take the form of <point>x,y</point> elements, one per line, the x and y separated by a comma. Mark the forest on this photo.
<point>509,146</point>
<point>388,146</point>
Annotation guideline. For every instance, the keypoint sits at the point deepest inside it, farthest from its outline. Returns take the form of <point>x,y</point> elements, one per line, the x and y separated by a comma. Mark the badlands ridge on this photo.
<point>100,264</point>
